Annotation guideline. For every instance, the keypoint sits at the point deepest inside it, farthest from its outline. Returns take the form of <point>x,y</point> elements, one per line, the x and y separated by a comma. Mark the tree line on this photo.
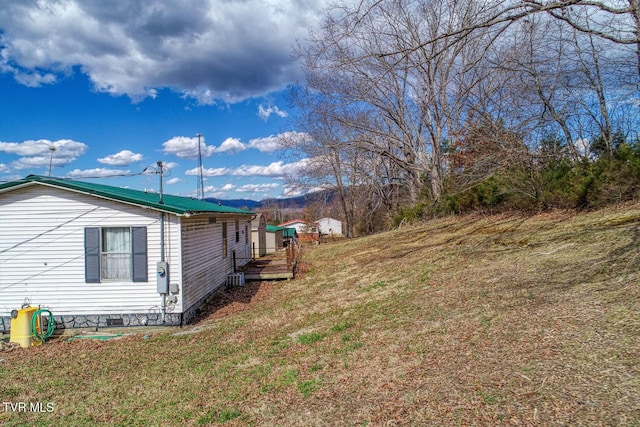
<point>421,107</point>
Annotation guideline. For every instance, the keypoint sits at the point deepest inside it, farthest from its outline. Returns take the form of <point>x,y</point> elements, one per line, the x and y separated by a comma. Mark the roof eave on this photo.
<point>156,206</point>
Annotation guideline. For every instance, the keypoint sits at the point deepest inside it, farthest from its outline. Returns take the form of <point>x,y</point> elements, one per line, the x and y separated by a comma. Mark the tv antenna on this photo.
<point>52,149</point>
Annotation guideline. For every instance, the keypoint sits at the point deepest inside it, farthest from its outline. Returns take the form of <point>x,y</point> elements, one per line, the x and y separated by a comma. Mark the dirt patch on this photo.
<point>234,300</point>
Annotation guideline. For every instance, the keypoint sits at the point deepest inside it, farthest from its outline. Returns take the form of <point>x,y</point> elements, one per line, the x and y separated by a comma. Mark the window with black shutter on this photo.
<point>115,254</point>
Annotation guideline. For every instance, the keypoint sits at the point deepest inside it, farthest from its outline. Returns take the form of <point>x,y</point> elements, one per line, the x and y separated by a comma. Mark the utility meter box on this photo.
<point>162,277</point>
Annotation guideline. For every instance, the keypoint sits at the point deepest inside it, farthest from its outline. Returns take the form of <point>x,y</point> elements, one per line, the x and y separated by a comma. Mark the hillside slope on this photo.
<point>500,320</point>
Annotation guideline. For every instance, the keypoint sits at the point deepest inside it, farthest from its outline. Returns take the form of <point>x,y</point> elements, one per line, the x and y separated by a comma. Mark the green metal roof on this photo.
<point>288,232</point>
<point>174,204</point>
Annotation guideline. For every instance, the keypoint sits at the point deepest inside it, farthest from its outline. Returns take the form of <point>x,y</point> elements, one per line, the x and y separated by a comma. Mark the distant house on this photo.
<point>259,236</point>
<point>330,226</point>
<point>97,255</point>
<point>307,231</point>
<point>301,226</point>
<point>274,238</point>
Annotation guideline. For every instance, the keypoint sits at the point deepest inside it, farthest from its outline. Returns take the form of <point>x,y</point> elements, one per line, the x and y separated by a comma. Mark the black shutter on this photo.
<point>139,254</point>
<point>92,255</point>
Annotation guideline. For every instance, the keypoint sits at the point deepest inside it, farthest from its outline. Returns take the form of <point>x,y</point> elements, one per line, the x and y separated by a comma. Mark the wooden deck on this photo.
<point>276,266</point>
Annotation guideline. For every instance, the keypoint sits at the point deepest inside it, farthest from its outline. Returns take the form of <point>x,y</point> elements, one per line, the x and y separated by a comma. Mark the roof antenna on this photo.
<point>52,148</point>
<point>160,170</point>
<point>200,190</point>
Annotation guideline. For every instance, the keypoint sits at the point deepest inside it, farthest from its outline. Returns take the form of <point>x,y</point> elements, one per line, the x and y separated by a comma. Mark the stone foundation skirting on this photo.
<point>99,321</point>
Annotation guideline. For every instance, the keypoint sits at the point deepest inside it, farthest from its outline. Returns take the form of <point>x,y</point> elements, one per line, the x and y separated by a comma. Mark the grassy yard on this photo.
<point>497,320</point>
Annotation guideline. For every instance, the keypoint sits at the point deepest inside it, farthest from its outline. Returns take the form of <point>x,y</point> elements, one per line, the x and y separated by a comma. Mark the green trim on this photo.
<point>177,205</point>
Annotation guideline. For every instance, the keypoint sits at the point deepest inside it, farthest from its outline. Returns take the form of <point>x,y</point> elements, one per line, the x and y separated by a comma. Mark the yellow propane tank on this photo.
<point>21,328</point>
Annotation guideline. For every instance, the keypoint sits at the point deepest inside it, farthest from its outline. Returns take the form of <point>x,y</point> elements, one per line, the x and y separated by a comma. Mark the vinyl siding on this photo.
<point>42,253</point>
<point>328,225</point>
<point>204,267</point>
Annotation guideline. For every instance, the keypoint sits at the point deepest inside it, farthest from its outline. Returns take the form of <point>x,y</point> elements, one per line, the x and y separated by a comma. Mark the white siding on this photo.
<point>204,266</point>
<point>259,236</point>
<point>270,242</point>
<point>274,240</point>
<point>330,226</point>
<point>42,253</point>
<point>301,227</point>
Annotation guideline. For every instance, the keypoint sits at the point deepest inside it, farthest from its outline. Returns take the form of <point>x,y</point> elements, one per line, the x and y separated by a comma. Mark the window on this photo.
<point>237,230</point>
<point>246,234</point>
<point>224,239</point>
<point>115,254</point>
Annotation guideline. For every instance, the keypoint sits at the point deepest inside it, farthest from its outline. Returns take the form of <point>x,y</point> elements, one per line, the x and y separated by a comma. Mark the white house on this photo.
<point>96,255</point>
<point>308,232</point>
<point>330,226</point>
<point>300,225</point>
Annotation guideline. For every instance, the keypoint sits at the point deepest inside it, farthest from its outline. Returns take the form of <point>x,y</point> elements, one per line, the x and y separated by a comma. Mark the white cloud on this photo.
<point>266,144</point>
<point>216,192</point>
<point>96,173</point>
<point>273,143</point>
<point>174,181</point>
<point>186,147</point>
<point>207,50</point>
<point>274,170</point>
<point>265,113</point>
<point>208,171</point>
<point>231,145</point>
<point>63,147</point>
<point>257,188</point>
<point>32,79</point>
<point>291,191</point>
<point>123,158</point>
<point>42,152</point>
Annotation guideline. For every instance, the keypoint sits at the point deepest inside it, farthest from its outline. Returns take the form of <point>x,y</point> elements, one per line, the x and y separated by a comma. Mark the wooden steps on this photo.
<point>276,266</point>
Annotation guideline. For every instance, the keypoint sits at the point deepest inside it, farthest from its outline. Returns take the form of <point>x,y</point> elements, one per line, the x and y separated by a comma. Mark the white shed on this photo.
<point>259,236</point>
<point>330,226</point>
<point>89,253</point>
<point>275,240</point>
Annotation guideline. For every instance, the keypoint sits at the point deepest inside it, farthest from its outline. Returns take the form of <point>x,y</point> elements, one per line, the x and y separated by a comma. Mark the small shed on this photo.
<point>259,236</point>
<point>289,236</point>
<point>330,226</point>
<point>274,238</point>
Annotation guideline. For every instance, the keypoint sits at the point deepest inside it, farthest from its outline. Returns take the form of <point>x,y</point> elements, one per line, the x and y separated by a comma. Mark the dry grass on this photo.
<point>500,320</point>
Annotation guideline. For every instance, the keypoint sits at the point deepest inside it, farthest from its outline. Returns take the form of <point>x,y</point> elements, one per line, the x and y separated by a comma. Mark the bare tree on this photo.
<point>573,81</point>
<point>400,95</point>
<point>331,162</point>
<point>404,106</point>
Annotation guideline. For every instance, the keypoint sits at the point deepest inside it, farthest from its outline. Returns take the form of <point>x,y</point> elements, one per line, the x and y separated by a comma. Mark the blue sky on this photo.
<point>116,86</point>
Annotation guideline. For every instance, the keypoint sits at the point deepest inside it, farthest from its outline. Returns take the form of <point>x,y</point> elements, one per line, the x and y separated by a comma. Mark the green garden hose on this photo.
<point>42,336</point>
